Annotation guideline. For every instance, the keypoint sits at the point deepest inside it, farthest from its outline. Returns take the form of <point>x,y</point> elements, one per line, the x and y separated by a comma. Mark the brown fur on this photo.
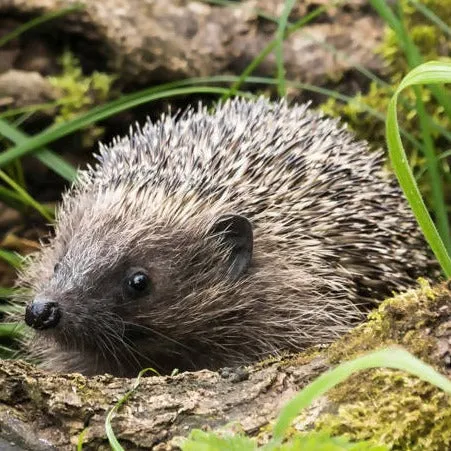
<point>332,235</point>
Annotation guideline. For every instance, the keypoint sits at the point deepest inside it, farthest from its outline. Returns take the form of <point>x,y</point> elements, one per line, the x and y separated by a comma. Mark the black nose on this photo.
<point>42,314</point>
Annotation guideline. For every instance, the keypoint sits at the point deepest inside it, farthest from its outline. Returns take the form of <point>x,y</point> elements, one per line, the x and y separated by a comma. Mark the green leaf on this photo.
<point>12,258</point>
<point>38,21</point>
<point>432,72</point>
<point>12,330</point>
<point>99,113</point>
<point>390,358</point>
<point>280,37</point>
<point>26,198</point>
<point>50,159</point>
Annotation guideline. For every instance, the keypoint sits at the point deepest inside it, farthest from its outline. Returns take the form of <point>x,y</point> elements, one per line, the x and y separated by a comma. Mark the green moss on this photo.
<point>389,406</point>
<point>80,92</point>
<point>287,359</point>
<point>404,319</point>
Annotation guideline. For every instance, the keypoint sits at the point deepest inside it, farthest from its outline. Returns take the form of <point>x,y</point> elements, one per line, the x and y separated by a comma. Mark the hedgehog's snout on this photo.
<point>42,314</point>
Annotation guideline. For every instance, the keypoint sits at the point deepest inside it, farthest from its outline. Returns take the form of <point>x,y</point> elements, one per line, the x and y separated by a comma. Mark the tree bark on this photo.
<point>39,410</point>
<point>44,411</point>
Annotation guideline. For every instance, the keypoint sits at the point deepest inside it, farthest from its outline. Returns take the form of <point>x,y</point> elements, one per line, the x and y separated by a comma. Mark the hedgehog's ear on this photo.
<point>236,232</point>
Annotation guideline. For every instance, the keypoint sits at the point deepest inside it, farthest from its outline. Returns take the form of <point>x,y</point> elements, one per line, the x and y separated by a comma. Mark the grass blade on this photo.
<point>28,109</point>
<point>414,59</point>
<point>57,164</point>
<point>26,198</point>
<point>50,159</point>
<point>69,172</point>
<point>269,48</point>
<point>433,168</point>
<point>388,16</point>
<point>11,330</point>
<point>38,21</point>
<point>423,9</point>
<point>114,443</point>
<point>389,358</point>
<point>9,196</point>
<point>99,113</point>
<point>339,54</point>
<point>12,258</point>
<point>280,37</point>
<point>432,72</point>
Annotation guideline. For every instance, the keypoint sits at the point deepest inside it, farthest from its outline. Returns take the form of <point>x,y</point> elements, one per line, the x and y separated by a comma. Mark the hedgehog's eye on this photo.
<point>56,267</point>
<point>137,283</point>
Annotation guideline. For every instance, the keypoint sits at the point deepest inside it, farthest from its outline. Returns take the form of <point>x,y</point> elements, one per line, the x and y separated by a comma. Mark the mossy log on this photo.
<point>43,411</point>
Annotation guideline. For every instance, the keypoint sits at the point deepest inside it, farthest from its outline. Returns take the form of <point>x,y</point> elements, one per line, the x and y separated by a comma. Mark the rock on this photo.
<point>21,88</point>
<point>146,41</point>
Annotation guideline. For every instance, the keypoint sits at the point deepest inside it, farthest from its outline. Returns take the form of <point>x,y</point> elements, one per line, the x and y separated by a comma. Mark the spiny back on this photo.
<point>290,169</point>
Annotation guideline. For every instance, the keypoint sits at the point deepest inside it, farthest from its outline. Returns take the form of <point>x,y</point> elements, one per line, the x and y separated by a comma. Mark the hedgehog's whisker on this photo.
<point>144,328</point>
<point>127,348</point>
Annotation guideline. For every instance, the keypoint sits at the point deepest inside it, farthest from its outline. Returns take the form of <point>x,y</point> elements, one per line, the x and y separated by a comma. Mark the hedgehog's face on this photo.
<point>124,297</point>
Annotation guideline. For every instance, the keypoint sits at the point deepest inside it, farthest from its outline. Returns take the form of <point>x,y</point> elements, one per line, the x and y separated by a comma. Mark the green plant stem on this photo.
<point>48,158</point>
<point>428,73</point>
<point>269,48</point>
<point>390,358</point>
<point>97,114</point>
<point>26,197</point>
<point>38,21</point>
<point>280,37</point>
<point>431,16</point>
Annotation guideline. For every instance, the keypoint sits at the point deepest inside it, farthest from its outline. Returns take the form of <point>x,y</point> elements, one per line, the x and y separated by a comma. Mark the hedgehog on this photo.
<point>206,240</point>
